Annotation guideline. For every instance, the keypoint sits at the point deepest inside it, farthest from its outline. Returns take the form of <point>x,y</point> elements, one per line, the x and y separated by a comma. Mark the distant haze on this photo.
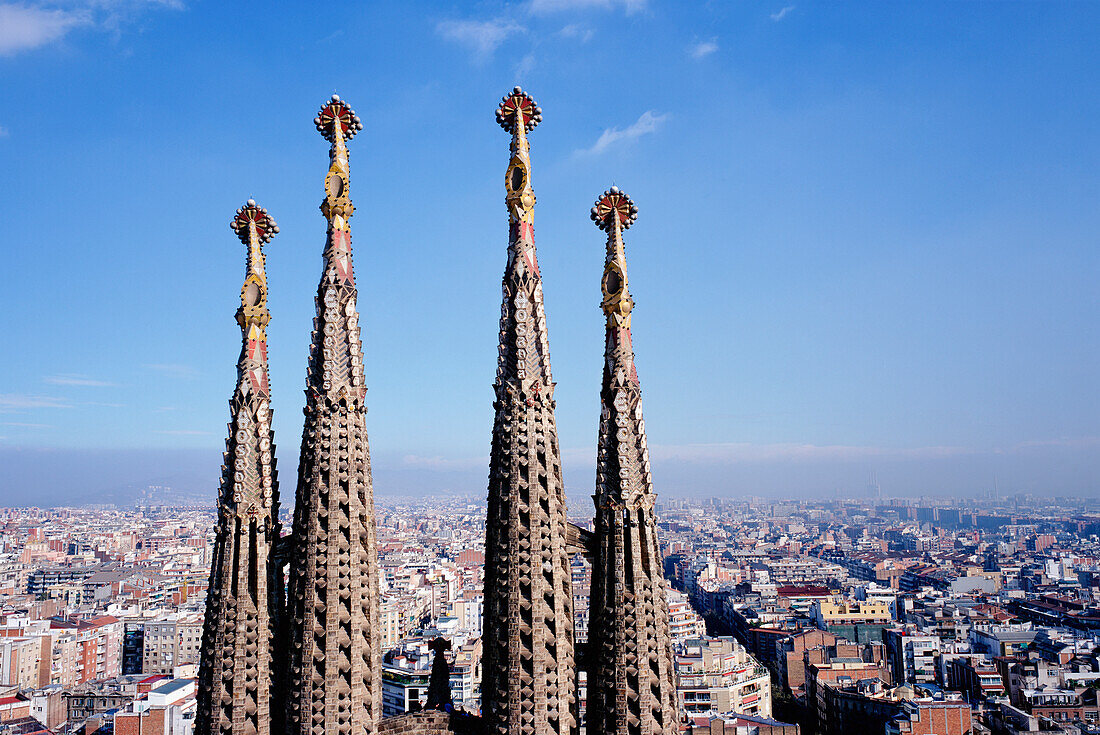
<point>47,477</point>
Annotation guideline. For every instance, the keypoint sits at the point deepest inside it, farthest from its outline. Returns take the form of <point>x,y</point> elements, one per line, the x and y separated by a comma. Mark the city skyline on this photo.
<point>930,603</point>
<point>880,250</point>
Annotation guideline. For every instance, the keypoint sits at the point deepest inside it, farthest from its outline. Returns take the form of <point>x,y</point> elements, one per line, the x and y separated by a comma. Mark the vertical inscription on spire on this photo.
<point>631,685</point>
<point>334,661</point>
<point>244,601</point>
<point>528,683</point>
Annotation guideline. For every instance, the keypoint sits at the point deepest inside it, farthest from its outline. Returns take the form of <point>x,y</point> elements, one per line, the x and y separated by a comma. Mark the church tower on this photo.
<point>631,684</point>
<point>245,598</point>
<point>528,685</point>
<point>334,662</point>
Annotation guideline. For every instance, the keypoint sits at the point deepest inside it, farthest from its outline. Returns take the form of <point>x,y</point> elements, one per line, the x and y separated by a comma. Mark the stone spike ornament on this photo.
<point>245,598</point>
<point>631,682</point>
<point>528,685</point>
<point>334,659</point>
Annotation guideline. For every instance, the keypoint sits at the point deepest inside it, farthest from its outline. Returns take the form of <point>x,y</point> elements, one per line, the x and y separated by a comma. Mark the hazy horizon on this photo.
<point>51,477</point>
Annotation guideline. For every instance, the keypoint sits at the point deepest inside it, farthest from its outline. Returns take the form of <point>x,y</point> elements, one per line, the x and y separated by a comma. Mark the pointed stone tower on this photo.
<point>245,598</point>
<point>528,685</point>
<point>631,684</point>
<point>334,662</point>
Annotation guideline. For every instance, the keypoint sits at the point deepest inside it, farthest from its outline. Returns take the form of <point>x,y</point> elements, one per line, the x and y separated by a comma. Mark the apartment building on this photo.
<point>86,648</point>
<point>174,639</point>
<point>683,621</point>
<point>859,622</point>
<point>912,657</point>
<point>168,709</point>
<point>719,674</point>
<point>21,661</point>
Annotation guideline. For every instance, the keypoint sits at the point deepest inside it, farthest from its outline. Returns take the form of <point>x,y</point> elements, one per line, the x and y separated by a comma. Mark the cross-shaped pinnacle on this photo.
<point>613,200</point>
<point>250,213</point>
<point>518,105</point>
<point>336,111</point>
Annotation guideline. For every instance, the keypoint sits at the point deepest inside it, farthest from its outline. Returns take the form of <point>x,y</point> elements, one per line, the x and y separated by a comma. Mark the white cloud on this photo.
<point>127,7</point>
<point>543,7</point>
<point>30,25</point>
<point>703,48</point>
<point>482,37</point>
<point>782,13</point>
<point>1077,442</point>
<point>443,463</point>
<point>78,380</point>
<point>25,425</point>
<point>174,370</point>
<point>747,453</point>
<point>648,123</point>
<point>524,67</point>
<point>112,15</point>
<point>17,401</point>
<point>573,30</point>
<point>743,452</point>
<point>25,27</point>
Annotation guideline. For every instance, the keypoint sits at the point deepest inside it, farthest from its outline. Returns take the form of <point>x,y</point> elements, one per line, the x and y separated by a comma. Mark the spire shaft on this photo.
<point>529,682</point>
<point>244,601</point>
<point>335,665</point>
<point>631,684</point>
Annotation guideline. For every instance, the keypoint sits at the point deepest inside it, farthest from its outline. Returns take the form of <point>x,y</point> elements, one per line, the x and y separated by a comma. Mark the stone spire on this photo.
<point>334,662</point>
<point>244,601</point>
<point>631,682</point>
<point>528,685</point>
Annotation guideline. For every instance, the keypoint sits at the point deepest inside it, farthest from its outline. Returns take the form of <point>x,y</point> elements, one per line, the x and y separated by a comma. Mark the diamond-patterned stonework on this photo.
<point>332,644</point>
<point>631,684</point>
<point>529,677</point>
<point>245,598</point>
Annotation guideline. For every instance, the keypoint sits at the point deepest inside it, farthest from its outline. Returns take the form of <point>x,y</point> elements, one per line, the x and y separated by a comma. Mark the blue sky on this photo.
<point>867,238</point>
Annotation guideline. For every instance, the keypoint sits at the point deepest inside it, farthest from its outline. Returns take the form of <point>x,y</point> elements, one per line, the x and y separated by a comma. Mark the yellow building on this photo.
<point>834,612</point>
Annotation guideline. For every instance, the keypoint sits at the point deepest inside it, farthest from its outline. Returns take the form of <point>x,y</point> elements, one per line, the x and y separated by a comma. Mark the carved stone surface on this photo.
<point>245,597</point>
<point>431,722</point>
<point>529,677</point>
<point>333,647</point>
<point>631,685</point>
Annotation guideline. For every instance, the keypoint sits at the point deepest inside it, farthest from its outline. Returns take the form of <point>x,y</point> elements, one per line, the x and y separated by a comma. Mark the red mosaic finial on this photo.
<point>337,111</point>
<point>610,202</point>
<point>518,104</point>
<point>251,213</point>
